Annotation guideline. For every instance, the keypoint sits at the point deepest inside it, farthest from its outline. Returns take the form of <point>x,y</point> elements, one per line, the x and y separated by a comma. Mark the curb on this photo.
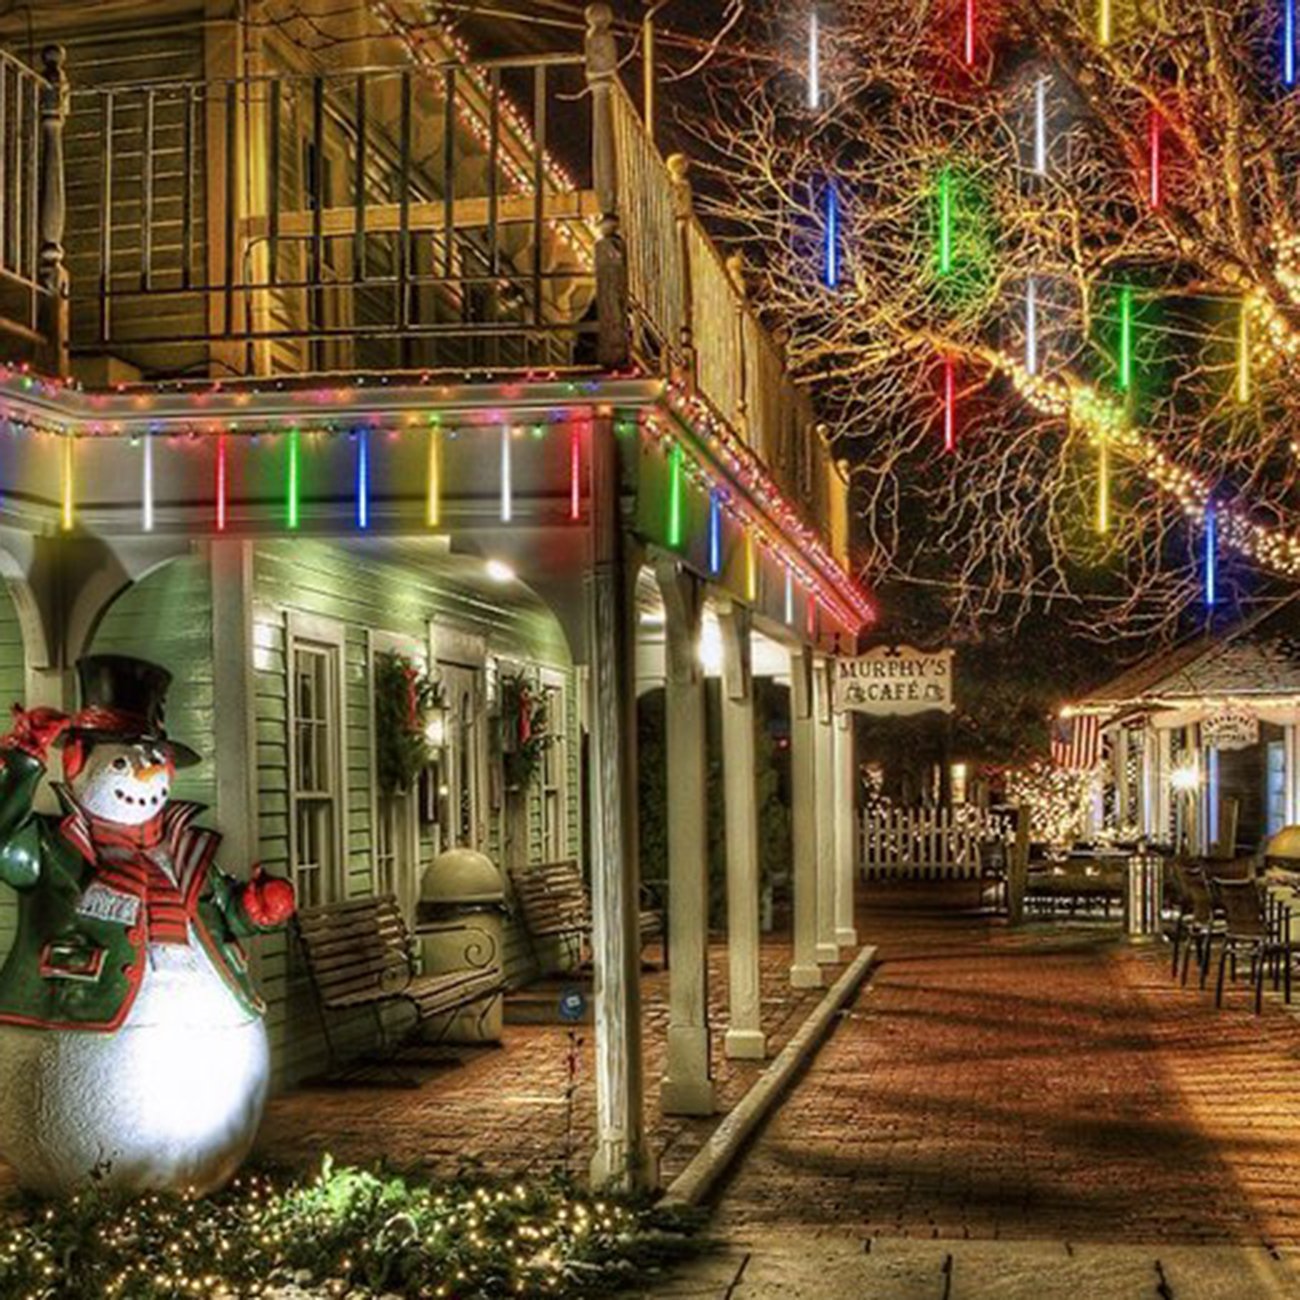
<point>714,1158</point>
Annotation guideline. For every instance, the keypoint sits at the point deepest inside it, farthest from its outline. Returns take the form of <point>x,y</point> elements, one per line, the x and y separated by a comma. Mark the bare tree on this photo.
<point>1134,188</point>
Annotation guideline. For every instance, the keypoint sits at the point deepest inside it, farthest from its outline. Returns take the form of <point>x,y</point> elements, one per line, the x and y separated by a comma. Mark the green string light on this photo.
<point>293,486</point>
<point>675,496</point>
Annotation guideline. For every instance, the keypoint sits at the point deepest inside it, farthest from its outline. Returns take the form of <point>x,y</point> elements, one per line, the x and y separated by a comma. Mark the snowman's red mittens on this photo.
<point>35,730</point>
<point>267,901</point>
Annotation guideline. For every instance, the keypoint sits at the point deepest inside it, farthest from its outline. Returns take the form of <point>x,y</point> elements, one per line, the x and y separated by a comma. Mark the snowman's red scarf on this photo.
<point>125,860</point>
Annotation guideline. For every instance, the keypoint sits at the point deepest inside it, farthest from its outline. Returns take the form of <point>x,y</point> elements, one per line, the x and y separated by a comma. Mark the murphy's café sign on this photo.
<point>895,679</point>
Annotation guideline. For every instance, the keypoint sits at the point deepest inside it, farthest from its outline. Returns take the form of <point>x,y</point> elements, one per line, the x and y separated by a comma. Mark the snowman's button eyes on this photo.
<point>120,764</point>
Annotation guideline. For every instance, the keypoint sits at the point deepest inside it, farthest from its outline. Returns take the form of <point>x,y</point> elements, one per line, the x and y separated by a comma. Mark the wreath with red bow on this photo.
<point>405,696</point>
<point>525,730</point>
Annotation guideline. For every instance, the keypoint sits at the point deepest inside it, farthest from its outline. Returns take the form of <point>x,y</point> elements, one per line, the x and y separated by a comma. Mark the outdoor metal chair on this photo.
<point>1204,926</point>
<point>1179,896</point>
<point>1246,930</point>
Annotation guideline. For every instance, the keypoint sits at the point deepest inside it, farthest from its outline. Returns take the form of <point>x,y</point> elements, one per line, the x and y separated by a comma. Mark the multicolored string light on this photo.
<point>363,479</point>
<point>220,486</point>
<point>293,484</point>
<point>1104,16</point>
<point>715,531</point>
<point>945,221</point>
<point>575,474</point>
<point>433,476</point>
<point>968,45</point>
<point>507,474</point>
<point>675,496</point>
<point>1125,339</point>
<point>67,487</point>
<point>1288,43</point>
<point>146,483</point>
<point>832,250</point>
<point>1103,486</point>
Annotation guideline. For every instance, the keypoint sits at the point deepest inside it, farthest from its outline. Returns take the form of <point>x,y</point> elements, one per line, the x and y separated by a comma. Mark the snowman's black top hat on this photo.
<point>124,699</point>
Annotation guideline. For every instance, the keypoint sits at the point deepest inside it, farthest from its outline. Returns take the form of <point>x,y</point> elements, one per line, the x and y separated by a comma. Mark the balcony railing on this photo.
<point>30,111</point>
<point>506,216</point>
<point>373,219</point>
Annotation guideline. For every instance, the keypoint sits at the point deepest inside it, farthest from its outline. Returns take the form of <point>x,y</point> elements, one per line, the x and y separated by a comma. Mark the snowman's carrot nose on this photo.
<point>153,769</point>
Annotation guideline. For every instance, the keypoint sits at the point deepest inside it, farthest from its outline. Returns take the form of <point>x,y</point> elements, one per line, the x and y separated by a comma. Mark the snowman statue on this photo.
<point>132,1047</point>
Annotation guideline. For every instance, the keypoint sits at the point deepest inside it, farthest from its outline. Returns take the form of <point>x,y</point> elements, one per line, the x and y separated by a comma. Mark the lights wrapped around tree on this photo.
<point>1058,799</point>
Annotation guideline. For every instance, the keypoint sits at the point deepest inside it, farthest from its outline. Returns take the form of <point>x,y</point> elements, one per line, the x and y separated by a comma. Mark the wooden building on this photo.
<point>330,348</point>
<point>1201,743</point>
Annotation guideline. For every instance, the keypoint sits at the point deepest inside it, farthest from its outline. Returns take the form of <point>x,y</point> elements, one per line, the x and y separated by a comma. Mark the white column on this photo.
<point>1291,778</point>
<point>745,1039</point>
<point>846,831</point>
<point>687,1083</point>
<point>828,948</point>
<point>804,972</point>
<point>622,1159</point>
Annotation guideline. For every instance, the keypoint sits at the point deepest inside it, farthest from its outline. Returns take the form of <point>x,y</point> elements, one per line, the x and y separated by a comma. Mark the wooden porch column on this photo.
<point>687,1083</point>
<point>846,830</point>
<point>745,1039</point>
<point>622,1160</point>
<point>805,973</point>
<point>828,948</point>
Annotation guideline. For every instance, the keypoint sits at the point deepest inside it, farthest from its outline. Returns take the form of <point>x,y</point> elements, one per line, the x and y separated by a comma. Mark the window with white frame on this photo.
<point>314,789</point>
<point>555,773</point>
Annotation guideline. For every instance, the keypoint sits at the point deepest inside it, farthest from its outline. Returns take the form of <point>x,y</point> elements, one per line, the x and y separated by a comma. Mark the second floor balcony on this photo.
<point>430,215</point>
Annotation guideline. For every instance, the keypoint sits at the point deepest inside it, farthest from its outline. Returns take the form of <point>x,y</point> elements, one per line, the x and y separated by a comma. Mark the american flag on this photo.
<point>1076,742</point>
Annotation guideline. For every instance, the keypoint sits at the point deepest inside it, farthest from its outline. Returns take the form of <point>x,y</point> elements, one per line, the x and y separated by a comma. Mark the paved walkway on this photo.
<point>502,1110</point>
<point>1045,1107</point>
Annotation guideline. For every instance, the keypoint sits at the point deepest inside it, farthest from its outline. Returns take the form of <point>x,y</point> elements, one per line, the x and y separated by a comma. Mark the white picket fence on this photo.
<point>925,843</point>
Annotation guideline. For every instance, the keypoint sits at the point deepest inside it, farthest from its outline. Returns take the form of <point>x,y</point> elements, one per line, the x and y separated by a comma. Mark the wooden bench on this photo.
<point>555,904</point>
<point>360,956</point>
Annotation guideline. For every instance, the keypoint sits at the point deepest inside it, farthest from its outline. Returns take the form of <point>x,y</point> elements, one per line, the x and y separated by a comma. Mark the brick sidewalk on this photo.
<point>1049,1082</point>
<point>502,1111</point>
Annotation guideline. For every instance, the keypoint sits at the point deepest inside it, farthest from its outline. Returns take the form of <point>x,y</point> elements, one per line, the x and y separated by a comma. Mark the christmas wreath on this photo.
<point>404,698</point>
<point>525,730</point>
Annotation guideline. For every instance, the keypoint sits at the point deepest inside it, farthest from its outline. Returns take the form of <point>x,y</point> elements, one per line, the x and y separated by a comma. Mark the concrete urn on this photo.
<point>460,925</point>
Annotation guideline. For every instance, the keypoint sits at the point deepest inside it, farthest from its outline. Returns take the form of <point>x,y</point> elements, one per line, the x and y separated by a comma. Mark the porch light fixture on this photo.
<point>435,729</point>
<point>1186,778</point>
<point>500,571</point>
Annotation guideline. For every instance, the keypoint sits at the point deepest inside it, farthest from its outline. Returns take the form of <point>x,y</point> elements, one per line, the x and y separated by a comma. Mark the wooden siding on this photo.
<point>102,58</point>
<point>361,594</point>
<point>167,618</point>
<point>12,688</point>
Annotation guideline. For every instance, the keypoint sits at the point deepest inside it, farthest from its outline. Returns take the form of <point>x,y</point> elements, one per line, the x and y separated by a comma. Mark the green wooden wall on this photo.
<point>12,686</point>
<point>167,617</point>
<point>359,593</point>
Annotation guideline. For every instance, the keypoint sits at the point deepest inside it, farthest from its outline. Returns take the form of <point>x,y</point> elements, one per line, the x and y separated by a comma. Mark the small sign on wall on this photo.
<point>1232,727</point>
<point>895,680</point>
